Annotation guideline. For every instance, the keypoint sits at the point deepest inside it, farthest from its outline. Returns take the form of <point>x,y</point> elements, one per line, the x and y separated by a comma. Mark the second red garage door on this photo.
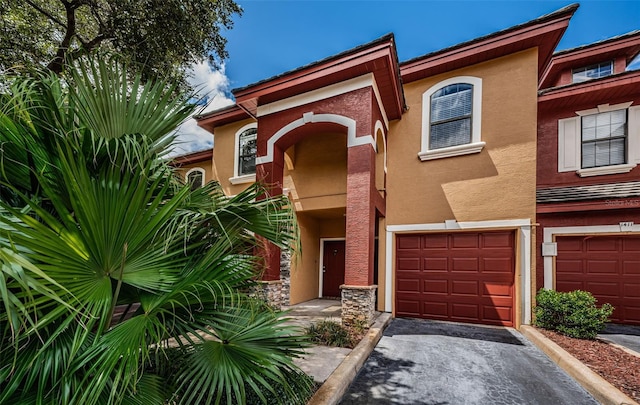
<point>606,266</point>
<point>463,277</point>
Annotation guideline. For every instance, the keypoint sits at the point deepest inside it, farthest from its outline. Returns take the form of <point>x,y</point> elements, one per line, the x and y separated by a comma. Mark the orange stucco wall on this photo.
<point>206,165</point>
<point>318,178</point>
<point>304,266</point>
<point>497,183</point>
<point>224,156</point>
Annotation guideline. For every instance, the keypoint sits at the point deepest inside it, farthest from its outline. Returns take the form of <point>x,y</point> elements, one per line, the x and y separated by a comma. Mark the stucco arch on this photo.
<point>310,118</point>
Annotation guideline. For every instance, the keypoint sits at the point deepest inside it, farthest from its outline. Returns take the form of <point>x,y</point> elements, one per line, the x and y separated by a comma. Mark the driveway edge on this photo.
<point>598,387</point>
<point>336,385</point>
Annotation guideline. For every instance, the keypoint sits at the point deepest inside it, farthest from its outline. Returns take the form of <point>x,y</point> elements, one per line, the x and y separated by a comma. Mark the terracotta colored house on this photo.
<point>414,183</point>
<point>588,187</point>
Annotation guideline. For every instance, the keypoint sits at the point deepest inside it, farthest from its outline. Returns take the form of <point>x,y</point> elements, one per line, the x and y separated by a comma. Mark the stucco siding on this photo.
<point>497,183</point>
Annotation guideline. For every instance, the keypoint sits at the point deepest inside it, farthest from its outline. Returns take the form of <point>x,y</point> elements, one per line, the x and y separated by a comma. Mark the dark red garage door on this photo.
<point>606,266</point>
<point>464,277</point>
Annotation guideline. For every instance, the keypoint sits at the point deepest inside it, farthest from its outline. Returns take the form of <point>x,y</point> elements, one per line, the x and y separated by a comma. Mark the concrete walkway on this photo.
<point>320,361</point>
<point>428,362</point>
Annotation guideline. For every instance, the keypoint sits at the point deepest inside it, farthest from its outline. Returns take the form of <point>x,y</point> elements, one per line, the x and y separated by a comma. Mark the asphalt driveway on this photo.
<point>424,362</point>
<point>624,335</point>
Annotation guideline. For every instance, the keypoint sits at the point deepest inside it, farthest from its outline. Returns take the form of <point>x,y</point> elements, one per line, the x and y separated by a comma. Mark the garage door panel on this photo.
<point>409,307</point>
<point>500,240</point>
<point>433,241</point>
<point>631,290</point>
<point>601,245</point>
<point>498,290</point>
<point>409,242</point>
<point>570,245</point>
<point>604,290</point>
<point>602,266</point>
<point>408,285</point>
<point>465,264</point>
<point>631,245</point>
<point>436,286</point>
<point>468,312</point>
<point>497,265</point>
<point>409,264</point>
<point>435,309</point>
<point>463,276</point>
<point>465,288</point>
<point>607,266</point>
<point>495,314</point>
<point>464,241</point>
<point>631,268</point>
<point>435,264</point>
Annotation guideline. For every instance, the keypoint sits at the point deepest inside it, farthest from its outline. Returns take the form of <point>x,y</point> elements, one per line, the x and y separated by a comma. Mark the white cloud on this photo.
<point>214,85</point>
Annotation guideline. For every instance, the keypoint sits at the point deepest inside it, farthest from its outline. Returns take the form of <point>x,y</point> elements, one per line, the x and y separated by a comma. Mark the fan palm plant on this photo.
<point>92,218</point>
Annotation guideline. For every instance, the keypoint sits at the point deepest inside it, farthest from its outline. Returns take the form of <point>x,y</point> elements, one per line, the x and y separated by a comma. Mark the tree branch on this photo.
<point>57,64</point>
<point>47,14</point>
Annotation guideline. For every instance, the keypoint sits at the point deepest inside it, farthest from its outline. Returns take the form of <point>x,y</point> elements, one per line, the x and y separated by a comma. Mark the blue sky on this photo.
<point>272,37</point>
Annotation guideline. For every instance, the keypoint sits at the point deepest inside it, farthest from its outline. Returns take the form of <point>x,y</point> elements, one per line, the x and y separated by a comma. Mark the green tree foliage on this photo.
<point>571,313</point>
<point>152,36</point>
<point>118,283</point>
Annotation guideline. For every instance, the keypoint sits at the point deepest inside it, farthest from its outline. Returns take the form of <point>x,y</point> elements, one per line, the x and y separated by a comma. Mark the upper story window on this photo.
<point>451,109</point>
<point>593,72</point>
<point>451,118</point>
<point>246,147</point>
<point>603,140</point>
<point>195,178</point>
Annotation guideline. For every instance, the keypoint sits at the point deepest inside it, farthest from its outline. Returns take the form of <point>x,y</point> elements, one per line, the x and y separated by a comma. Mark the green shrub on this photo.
<point>305,385</point>
<point>571,313</point>
<point>330,333</point>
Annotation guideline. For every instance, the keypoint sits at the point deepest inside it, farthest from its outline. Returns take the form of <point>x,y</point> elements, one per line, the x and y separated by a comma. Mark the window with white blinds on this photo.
<point>452,118</point>
<point>451,109</point>
<point>604,139</point>
<point>600,141</point>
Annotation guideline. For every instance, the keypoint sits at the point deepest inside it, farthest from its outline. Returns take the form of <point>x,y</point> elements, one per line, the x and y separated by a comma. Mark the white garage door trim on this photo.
<point>550,233</point>
<point>524,233</point>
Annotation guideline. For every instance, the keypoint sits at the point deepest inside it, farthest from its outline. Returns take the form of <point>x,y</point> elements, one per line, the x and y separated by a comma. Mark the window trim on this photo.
<point>476,145</point>
<point>237,178</point>
<point>193,170</point>
<point>570,142</point>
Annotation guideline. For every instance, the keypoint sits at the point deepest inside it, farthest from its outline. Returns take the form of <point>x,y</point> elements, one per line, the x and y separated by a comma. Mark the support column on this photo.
<point>358,291</point>
<point>270,286</point>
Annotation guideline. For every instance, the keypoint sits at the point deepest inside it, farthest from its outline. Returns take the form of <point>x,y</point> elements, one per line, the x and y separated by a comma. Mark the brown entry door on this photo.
<point>333,268</point>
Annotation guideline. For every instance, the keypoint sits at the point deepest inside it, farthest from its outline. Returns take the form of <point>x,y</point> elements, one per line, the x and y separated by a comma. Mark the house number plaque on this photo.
<point>626,226</point>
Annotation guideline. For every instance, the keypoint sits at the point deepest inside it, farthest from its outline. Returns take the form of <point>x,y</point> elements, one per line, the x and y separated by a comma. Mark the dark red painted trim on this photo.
<point>194,157</point>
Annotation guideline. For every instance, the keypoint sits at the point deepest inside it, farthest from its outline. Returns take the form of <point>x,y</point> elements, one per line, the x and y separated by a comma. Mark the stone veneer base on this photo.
<point>358,304</point>
<point>285,276</point>
<point>269,291</point>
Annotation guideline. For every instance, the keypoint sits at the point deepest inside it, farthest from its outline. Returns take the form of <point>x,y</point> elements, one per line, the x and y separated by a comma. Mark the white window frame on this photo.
<point>570,142</point>
<point>237,178</point>
<point>476,144</point>
<point>195,169</point>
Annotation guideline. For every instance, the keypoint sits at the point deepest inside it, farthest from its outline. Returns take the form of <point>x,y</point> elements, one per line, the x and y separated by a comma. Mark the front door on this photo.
<point>332,268</point>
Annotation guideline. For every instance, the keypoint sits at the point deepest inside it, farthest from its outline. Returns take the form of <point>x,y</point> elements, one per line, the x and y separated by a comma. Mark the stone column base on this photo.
<point>358,304</point>
<point>268,291</point>
<point>285,276</point>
